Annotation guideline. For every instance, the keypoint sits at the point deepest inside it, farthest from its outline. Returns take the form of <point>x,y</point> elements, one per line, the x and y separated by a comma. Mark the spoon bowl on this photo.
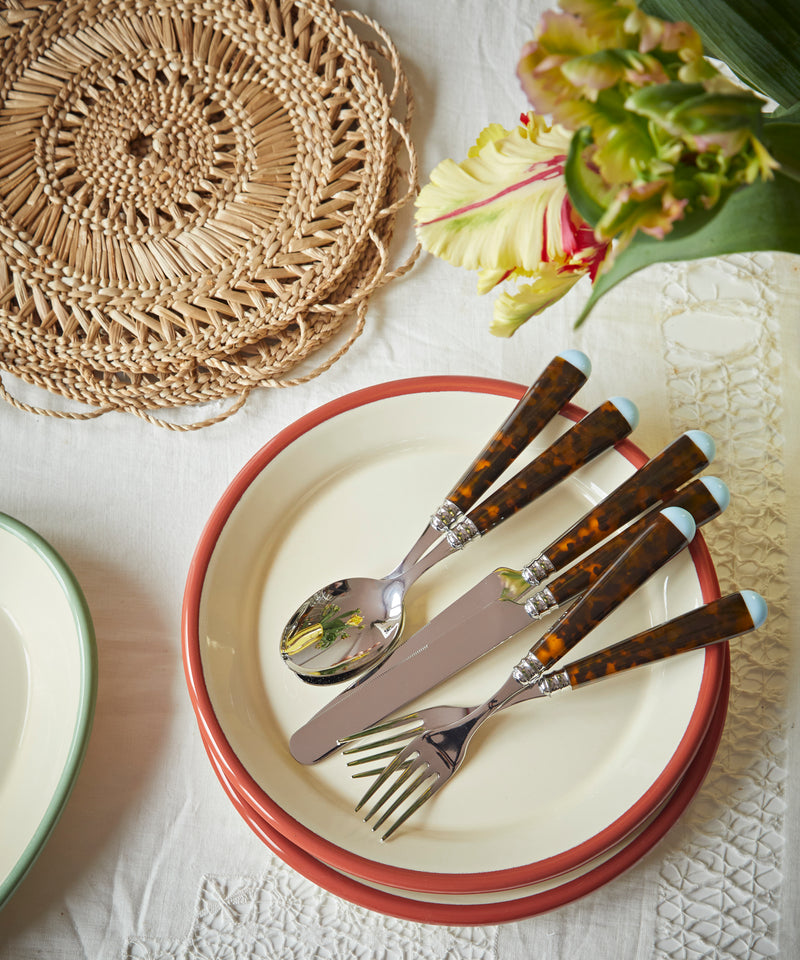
<point>345,627</point>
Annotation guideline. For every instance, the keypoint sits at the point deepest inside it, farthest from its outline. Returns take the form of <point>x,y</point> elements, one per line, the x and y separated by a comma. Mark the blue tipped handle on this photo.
<point>579,360</point>
<point>628,409</point>
<point>705,442</point>
<point>756,605</point>
<point>718,490</point>
<point>682,519</point>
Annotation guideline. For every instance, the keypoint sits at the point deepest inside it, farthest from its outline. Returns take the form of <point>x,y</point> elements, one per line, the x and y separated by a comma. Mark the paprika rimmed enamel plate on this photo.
<point>479,909</point>
<point>345,491</point>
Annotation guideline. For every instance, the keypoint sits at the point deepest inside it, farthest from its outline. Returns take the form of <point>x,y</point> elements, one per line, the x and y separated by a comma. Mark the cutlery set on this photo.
<point>352,628</point>
<point>367,632</point>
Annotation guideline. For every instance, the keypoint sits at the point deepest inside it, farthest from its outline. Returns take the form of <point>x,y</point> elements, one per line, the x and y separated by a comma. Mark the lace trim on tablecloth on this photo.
<point>282,916</point>
<point>720,881</point>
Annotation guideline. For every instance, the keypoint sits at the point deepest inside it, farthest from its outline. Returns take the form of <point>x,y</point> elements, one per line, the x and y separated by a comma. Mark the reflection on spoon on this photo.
<point>322,635</point>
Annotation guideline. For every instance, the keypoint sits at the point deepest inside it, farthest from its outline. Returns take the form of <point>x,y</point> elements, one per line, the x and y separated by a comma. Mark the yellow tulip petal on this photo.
<point>512,310</point>
<point>501,208</point>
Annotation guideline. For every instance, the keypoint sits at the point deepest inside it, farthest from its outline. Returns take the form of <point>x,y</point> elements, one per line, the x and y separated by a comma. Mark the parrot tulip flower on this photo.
<point>505,212</point>
<point>635,137</point>
<point>666,131</point>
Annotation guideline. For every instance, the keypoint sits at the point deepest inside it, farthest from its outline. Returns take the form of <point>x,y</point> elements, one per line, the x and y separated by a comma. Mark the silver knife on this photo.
<point>486,616</point>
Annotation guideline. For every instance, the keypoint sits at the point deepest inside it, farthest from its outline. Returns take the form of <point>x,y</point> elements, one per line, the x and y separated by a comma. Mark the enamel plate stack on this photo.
<point>557,796</point>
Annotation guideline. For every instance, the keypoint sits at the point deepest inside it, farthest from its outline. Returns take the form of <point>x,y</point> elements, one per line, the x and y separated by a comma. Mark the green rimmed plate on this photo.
<point>48,689</point>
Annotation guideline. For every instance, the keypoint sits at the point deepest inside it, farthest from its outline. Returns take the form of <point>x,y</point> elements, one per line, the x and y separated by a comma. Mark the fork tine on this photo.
<point>363,774</point>
<point>408,734</point>
<point>387,772</point>
<point>425,773</point>
<point>359,761</point>
<point>393,787</point>
<point>380,727</point>
<point>422,798</point>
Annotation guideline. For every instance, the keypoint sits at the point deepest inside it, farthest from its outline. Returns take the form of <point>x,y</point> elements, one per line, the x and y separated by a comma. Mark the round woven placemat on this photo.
<point>195,196</point>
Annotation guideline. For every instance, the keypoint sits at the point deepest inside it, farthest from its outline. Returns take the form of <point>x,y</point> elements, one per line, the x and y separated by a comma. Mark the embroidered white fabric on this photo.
<point>280,915</point>
<point>720,882</point>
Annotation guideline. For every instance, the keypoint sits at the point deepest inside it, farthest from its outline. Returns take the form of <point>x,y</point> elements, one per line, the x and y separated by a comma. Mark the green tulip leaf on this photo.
<point>785,114</point>
<point>758,39</point>
<point>782,139</point>
<point>762,216</point>
<point>584,185</point>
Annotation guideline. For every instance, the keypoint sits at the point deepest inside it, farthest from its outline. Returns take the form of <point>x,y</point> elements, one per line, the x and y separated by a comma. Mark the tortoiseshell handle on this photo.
<point>705,498</point>
<point>611,422</point>
<point>655,481</point>
<point>558,383</point>
<point>719,620</point>
<point>668,533</point>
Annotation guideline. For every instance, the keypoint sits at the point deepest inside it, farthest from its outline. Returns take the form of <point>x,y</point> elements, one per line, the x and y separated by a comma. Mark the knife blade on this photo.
<point>493,611</point>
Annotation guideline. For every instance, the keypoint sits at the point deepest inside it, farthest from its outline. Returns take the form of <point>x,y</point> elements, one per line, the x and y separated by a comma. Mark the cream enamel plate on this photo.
<point>505,905</point>
<point>345,492</point>
<point>48,684</point>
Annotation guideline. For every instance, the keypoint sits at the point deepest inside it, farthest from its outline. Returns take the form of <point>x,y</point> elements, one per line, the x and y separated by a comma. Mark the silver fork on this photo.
<point>436,754</point>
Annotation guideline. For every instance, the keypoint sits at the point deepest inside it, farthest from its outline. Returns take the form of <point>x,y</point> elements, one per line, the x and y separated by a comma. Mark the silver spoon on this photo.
<point>349,625</point>
<point>321,622</point>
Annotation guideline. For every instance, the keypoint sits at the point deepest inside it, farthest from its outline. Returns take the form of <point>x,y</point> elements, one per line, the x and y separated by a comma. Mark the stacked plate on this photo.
<point>557,797</point>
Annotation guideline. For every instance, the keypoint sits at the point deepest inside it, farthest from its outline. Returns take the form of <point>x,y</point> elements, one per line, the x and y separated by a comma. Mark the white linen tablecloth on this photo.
<point>150,860</point>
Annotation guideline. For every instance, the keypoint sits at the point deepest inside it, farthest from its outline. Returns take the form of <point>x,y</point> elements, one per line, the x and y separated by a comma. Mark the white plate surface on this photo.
<point>348,498</point>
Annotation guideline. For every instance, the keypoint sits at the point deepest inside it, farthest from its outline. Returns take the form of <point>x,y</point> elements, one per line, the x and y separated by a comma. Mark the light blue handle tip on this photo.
<point>628,409</point>
<point>682,519</point>
<point>578,359</point>
<point>705,442</point>
<point>718,490</point>
<point>756,605</point>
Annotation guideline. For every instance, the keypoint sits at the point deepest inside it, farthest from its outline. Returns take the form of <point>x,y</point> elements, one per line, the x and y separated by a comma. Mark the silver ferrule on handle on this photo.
<point>553,682</point>
<point>462,534</point>
<point>446,515</point>
<point>529,670</point>
<point>538,570</point>
<point>540,603</point>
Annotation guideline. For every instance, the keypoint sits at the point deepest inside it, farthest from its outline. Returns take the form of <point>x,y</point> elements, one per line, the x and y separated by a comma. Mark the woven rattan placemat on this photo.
<point>195,196</point>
